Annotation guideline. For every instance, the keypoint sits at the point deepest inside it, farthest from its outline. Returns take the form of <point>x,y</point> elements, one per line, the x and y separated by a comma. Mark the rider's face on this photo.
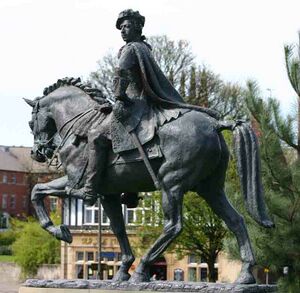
<point>128,31</point>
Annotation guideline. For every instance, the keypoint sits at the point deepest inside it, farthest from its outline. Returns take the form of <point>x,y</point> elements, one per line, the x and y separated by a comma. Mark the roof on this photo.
<point>18,159</point>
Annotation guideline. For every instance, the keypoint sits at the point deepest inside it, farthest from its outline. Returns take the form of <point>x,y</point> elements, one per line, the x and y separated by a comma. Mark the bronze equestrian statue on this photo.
<point>149,139</point>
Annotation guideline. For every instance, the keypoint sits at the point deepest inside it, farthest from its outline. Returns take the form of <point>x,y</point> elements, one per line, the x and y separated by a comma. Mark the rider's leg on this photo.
<point>98,153</point>
<point>98,146</point>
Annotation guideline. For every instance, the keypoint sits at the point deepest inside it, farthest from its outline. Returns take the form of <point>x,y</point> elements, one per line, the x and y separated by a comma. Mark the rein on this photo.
<point>68,132</point>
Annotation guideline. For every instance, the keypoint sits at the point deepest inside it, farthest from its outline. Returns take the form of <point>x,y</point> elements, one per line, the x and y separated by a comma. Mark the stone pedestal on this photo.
<point>96,286</point>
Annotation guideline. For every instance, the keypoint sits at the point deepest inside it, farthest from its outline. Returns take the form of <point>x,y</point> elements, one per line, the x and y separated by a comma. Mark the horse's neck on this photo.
<point>66,109</point>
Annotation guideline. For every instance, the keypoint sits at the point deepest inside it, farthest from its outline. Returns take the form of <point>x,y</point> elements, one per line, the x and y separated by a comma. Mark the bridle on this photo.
<point>44,144</point>
<point>41,143</point>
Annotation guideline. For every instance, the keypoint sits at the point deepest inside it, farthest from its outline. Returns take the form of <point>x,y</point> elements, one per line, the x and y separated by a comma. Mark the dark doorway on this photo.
<point>158,271</point>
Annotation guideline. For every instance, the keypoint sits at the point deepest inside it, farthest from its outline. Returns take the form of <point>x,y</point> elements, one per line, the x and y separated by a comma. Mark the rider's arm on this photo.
<point>127,61</point>
<point>120,84</point>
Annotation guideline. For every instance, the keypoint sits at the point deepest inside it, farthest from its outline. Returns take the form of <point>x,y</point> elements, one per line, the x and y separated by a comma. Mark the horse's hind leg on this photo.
<point>38,193</point>
<point>172,209</point>
<point>235,222</point>
<point>113,209</point>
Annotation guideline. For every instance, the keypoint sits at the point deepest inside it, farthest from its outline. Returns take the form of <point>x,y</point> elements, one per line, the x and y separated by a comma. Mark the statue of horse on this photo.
<point>194,157</point>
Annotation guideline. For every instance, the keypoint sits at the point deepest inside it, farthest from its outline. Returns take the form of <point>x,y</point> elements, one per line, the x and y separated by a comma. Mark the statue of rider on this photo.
<point>141,90</point>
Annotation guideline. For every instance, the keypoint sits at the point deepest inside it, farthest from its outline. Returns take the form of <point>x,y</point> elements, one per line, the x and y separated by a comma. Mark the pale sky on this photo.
<point>43,40</point>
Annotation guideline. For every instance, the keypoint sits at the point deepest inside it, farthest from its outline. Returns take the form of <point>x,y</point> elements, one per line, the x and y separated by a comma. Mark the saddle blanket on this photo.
<point>151,148</point>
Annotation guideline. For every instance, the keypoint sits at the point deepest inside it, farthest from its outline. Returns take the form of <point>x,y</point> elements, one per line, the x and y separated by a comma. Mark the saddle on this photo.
<point>143,119</point>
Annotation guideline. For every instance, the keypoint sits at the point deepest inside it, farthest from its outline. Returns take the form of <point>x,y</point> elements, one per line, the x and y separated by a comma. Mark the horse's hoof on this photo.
<point>63,233</point>
<point>121,277</point>
<point>245,278</point>
<point>139,278</point>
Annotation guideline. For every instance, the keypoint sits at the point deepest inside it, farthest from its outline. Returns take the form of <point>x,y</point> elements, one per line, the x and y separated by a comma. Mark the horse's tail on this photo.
<point>249,169</point>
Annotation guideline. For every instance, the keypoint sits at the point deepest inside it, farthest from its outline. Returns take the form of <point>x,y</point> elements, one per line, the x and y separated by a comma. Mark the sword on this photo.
<point>144,156</point>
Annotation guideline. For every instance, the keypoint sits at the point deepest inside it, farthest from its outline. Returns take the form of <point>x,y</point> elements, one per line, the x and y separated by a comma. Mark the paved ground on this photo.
<point>10,287</point>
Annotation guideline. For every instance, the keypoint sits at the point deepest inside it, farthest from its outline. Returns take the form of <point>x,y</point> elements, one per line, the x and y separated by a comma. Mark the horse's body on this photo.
<point>195,158</point>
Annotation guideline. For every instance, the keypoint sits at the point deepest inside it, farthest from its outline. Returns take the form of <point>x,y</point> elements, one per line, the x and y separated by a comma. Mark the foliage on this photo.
<point>173,57</point>
<point>151,224</point>
<point>6,240</point>
<point>34,246</point>
<point>7,237</point>
<point>102,78</point>
<point>207,89</point>
<point>197,84</point>
<point>279,247</point>
<point>202,236</point>
<point>203,232</point>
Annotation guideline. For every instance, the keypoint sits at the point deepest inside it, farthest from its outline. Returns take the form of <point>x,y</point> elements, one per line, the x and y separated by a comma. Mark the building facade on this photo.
<point>79,260</point>
<point>18,174</point>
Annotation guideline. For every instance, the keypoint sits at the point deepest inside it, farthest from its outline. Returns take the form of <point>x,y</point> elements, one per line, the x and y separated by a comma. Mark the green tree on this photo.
<point>207,89</point>
<point>292,61</point>
<point>177,62</point>
<point>203,233</point>
<point>278,247</point>
<point>173,57</point>
<point>34,246</point>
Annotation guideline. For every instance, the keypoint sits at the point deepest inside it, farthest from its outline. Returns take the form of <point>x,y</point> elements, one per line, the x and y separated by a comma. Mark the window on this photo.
<point>178,275</point>
<point>90,256</point>
<point>53,204</point>
<point>110,272</point>
<point>203,274</point>
<point>79,255</point>
<point>24,202</point>
<point>192,273</point>
<point>91,216</point>
<point>105,219</point>
<point>14,179</point>
<point>4,179</point>
<point>12,201</point>
<point>88,216</point>
<point>130,216</point>
<point>4,201</point>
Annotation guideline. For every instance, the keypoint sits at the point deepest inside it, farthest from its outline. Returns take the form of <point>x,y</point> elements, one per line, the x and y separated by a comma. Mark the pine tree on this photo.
<point>279,247</point>
<point>293,71</point>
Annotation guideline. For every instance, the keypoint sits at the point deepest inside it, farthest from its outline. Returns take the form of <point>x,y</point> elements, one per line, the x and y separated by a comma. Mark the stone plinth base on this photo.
<point>95,286</point>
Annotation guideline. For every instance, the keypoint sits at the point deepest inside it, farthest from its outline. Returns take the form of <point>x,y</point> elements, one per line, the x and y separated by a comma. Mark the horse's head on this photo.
<point>43,129</point>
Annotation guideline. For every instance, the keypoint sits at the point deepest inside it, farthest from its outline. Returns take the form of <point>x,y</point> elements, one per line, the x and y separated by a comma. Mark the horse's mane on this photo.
<point>93,92</point>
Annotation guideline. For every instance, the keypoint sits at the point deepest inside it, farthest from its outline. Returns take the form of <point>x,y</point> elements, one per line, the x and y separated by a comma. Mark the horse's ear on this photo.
<point>30,102</point>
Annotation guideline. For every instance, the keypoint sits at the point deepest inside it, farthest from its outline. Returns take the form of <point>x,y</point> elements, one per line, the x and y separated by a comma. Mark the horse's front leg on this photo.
<point>113,209</point>
<point>38,193</point>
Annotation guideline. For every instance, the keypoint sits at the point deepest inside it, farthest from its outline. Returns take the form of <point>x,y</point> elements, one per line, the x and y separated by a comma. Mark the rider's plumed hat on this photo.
<point>127,14</point>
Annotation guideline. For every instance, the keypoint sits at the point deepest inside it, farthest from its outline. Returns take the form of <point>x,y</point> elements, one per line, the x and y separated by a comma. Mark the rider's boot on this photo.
<point>98,153</point>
